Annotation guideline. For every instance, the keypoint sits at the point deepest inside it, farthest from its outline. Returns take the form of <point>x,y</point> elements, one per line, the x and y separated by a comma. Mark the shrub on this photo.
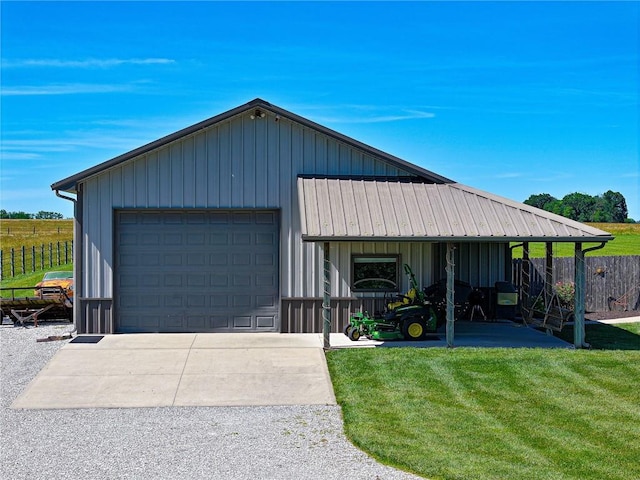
<point>566,292</point>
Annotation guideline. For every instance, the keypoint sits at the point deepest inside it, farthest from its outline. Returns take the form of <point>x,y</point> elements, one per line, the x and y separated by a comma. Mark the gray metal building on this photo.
<point>223,226</point>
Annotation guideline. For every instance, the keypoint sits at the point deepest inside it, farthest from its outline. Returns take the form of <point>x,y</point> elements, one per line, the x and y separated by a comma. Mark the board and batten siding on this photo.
<point>238,163</point>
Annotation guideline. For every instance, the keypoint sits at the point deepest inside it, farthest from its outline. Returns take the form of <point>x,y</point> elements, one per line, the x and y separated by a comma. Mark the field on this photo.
<point>16,233</point>
<point>32,235</point>
<point>626,242</point>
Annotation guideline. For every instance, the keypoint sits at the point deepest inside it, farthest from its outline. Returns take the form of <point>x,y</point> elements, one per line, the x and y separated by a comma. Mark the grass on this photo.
<point>30,279</point>
<point>15,233</point>
<point>493,413</point>
<point>621,336</point>
<point>626,242</point>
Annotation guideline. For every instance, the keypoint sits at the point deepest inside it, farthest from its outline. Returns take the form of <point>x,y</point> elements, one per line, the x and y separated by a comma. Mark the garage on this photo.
<point>257,218</point>
<point>196,271</point>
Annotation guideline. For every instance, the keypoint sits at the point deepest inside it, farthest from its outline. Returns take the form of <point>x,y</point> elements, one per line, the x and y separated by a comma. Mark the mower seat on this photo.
<point>407,299</point>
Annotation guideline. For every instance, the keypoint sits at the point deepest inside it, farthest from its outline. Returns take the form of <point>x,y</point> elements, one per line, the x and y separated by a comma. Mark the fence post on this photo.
<point>50,255</point>
<point>33,258</point>
<point>58,253</point>
<point>1,265</point>
<point>42,256</point>
<point>66,252</point>
<point>13,263</point>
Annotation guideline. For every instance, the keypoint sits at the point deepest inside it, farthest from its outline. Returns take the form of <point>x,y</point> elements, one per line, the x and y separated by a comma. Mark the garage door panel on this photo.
<point>242,322</point>
<point>212,271</point>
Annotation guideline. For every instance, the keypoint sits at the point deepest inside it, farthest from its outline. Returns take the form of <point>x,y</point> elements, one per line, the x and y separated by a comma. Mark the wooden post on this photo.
<point>450,333</point>
<point>548,273</point>
<point>326,300</point>
<point>578,308</point>
<point>33,258</point>
<point>22,260</point>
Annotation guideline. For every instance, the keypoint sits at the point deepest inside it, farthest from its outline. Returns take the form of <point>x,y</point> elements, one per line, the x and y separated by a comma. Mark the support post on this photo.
<point>450,333</point>
<point>326,300</point>
<point>525,291</point>
<point>548,273</point>
<point>578,302</point>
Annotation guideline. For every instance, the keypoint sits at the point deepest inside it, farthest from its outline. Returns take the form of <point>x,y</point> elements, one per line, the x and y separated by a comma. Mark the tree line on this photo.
<point>41,215</point>
<point>610,207</point>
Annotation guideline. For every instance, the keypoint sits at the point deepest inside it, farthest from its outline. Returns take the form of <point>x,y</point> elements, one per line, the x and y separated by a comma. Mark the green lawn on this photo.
<point>30,279</point>
<point>626,242</point>
<point>621,336</point>
<point>493,413</point>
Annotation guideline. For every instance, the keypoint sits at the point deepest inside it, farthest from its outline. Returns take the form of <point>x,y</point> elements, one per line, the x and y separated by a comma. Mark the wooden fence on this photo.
<point>18,261</point>
<point>612,283</point>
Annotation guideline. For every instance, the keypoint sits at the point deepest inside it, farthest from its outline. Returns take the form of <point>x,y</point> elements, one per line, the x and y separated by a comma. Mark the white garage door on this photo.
<point>197,271</point>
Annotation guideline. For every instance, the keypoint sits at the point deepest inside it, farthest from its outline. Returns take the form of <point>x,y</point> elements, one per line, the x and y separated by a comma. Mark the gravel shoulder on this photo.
<point>299,442</point>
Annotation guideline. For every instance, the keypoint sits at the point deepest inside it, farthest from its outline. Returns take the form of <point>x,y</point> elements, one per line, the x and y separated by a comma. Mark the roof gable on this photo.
<point>69,184</point>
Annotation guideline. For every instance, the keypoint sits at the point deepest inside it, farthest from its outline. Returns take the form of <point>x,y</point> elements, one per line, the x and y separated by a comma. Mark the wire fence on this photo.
<point>28,259</point>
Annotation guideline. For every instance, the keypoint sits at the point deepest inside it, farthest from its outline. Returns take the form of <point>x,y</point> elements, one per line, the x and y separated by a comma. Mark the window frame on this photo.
<point>393,258</point>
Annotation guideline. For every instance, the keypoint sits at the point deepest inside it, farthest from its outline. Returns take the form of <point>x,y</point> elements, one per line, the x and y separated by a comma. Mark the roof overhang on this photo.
<point>367,209</point>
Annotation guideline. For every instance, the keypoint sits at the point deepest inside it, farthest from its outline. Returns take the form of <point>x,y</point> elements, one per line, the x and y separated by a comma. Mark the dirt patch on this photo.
<point>609,315</point>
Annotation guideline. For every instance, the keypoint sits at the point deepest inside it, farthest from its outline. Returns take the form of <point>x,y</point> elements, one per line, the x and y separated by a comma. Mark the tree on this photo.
<point>540,201</point>
<point>610,207</point>
<point>616,205</point>
<point>48,215</point>
<point>581,205</point>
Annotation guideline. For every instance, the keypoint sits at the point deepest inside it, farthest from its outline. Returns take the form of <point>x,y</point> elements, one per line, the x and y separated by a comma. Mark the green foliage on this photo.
<point>41,215</point>
<point>493,413</point>
<point>566,293</point>
<point>16,215</point>
<point>610,207</point>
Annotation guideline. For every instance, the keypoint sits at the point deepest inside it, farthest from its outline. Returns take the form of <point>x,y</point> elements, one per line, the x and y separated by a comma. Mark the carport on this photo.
<point>335,208</point>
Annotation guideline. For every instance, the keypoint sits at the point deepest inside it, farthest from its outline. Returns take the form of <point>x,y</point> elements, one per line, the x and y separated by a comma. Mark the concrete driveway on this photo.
<point>160,370</point>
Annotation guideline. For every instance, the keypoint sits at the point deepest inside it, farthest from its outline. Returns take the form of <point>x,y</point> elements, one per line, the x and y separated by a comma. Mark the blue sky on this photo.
<point>516,98</point>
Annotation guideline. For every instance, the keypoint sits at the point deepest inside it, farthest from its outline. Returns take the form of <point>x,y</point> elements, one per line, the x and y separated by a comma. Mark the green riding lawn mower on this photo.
<point>410,317</point>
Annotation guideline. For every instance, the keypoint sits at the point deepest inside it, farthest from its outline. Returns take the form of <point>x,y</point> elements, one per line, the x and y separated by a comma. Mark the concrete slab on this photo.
<point>500,334</point>
<point>258,340</point>
<point>161,370</point>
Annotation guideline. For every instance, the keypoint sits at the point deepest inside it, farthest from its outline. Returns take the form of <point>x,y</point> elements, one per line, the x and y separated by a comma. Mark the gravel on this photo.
<point>289,442</point>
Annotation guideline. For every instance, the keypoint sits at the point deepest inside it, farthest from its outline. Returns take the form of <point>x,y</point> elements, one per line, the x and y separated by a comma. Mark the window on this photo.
<point>372,273</point>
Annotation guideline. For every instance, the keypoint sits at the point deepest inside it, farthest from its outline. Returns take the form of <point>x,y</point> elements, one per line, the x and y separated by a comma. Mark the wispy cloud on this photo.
<point>368,114</point>
<point>64,89</point>
<point>509,175</point>
<point>6,156</point>
<point>86,63</point>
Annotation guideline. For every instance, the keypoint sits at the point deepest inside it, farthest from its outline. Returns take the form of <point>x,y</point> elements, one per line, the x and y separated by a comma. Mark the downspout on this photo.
<point>77,253</point>
<point>579,301</point>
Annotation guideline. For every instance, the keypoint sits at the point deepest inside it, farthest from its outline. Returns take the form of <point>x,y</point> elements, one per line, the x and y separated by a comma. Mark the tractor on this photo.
<point>410,317</point>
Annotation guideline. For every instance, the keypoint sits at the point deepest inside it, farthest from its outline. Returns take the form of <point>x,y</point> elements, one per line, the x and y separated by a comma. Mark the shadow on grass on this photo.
<point>601,336</point>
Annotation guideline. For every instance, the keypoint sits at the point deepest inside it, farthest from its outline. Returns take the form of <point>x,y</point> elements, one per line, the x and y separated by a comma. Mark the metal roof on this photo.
<point>370,209</point>
<point>69,184</point>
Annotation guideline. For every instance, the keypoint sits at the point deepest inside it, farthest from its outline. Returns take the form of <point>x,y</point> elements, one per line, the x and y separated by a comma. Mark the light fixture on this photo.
<point>258,114</point>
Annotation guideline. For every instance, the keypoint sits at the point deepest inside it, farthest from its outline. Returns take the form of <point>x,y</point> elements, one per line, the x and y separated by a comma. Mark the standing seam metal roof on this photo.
<point>359,209</point>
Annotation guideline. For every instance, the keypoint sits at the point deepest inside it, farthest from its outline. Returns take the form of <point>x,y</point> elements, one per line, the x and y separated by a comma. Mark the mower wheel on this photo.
<point>346,329</point>
<point>354,334</point>
<point>413,328</point>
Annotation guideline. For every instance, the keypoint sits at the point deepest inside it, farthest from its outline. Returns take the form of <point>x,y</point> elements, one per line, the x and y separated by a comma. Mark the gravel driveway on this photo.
<point>299,442</point>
